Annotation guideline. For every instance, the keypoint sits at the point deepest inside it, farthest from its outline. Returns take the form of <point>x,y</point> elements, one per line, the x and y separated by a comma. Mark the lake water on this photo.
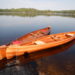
<point>53,63</point>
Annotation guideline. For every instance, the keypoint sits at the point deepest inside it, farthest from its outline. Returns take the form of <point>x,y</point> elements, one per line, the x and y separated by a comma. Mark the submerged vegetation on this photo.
<point>35,12</point>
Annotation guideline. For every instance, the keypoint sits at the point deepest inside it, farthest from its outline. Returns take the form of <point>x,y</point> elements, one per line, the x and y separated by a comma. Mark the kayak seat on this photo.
<point>36,35</point>
<point>41,32</point>
<point>39,42</point>
<point>55,38</point>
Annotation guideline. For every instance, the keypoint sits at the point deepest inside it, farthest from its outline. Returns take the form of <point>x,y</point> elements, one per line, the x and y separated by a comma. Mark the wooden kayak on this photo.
<point>31,36</point>
<point>26,38</point>
<point>41,43</point>
<point>21,60</point>
<point>48,52</point>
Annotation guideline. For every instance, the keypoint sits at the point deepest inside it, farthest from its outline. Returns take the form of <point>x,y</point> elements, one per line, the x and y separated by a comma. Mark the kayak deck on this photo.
<point>50,38</point>
<point>41,43</point>
<point>31,36</point>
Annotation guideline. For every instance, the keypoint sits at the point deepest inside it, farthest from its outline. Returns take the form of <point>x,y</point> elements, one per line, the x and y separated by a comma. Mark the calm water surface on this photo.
<point>59,63</point>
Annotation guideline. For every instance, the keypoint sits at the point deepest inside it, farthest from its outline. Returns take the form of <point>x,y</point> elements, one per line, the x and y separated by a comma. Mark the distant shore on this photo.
<point>31,10</point>
<point>34,12</point>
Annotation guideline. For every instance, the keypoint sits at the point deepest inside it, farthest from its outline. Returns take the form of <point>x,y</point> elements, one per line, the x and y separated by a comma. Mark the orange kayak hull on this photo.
<point>41,43</point>
<point>24,39</point>
<point>31,36</point>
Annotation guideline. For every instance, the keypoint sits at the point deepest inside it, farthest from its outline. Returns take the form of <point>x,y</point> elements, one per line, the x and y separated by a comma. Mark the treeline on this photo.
<point>25,10</point>
<point>18,10</point>
<point>32,10</point>
<point>66,11</point>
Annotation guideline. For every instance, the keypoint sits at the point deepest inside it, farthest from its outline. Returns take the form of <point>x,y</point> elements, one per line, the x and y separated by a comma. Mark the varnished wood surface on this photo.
<point>33,35</point>
<point>49,42</point>
<point>24,39</point>
<point>48,62</point>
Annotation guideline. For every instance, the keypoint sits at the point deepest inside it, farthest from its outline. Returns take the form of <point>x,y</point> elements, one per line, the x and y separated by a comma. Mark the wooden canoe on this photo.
<point>31,36</point>
<point>41,43</point>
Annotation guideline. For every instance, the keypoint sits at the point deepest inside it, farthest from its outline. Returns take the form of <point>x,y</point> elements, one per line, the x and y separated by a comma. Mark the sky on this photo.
<point>39,4</point>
